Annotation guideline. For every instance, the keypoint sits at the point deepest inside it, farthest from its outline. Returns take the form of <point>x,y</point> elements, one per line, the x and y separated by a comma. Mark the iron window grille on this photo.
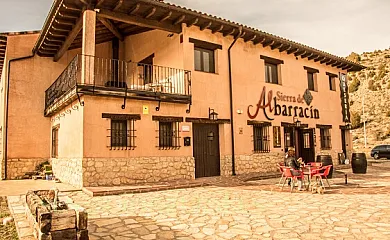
<point>325,139</point>
<point>122,135</point>
<point>168,135</point>
<point>54,142</point>
<point>261,139</point>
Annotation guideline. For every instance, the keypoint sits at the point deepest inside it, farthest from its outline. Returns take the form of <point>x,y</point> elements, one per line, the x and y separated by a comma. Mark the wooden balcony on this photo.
<point>117,78</point>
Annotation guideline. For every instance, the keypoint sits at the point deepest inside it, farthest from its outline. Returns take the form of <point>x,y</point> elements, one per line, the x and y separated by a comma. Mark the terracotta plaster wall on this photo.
<point>248,81</point>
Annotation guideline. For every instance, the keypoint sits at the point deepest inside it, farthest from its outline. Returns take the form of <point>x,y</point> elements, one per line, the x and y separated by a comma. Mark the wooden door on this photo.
<point>306,145</point>
<point>206,150</point>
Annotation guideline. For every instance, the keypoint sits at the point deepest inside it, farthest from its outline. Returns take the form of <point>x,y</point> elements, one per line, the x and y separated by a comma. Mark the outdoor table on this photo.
<point>307,171</point>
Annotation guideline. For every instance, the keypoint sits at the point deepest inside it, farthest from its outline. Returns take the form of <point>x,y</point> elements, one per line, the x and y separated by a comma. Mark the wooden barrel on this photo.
<point>326,160</point>
<point>359,163</point>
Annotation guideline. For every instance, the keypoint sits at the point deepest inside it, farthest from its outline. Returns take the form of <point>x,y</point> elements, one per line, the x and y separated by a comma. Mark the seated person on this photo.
<point>294,164</point>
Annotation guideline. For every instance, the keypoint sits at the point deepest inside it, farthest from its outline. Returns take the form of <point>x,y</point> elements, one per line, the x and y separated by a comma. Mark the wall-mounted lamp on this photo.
<point>297,122</point>
<point>213,115</point>
<point>210,136</point>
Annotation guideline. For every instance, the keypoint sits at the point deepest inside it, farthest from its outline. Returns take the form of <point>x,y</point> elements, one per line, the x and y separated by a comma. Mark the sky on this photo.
<point>335,26</point>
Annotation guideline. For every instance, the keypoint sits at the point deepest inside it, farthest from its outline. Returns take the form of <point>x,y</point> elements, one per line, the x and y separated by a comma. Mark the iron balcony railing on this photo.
<point>118,75</point>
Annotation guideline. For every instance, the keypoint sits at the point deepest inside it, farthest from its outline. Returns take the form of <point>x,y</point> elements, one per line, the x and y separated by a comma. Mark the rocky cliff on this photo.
<point>374,84</point>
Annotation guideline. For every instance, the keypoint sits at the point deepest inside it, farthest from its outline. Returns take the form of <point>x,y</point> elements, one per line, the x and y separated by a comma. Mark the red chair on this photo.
<point>280,167</point>
<point>288,175</point>
<point>324,174</point>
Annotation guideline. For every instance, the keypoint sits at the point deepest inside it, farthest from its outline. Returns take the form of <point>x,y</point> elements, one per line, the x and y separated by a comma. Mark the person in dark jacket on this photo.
<point>294,164</point>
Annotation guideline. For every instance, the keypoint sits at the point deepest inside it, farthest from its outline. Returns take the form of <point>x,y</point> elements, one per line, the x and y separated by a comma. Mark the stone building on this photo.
<point>121,92</point>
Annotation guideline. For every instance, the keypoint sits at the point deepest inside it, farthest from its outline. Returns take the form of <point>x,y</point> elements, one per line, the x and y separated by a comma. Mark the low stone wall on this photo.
<point>122,171</point>
<point>226,165</point>
<point>19,166</point>
<point>68,170</point>
<point>259,163</point>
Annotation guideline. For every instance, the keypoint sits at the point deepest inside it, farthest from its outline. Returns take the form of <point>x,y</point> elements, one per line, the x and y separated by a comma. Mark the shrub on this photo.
<point>354,85</point>
<point>355,120</point>
<point>371,74</point>
<point>388,114</point>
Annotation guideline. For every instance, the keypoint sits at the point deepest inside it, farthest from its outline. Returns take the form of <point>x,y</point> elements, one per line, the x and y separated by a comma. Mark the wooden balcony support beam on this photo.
<point>113,29</point>
<point>69,40</point>
<point>137,20</point>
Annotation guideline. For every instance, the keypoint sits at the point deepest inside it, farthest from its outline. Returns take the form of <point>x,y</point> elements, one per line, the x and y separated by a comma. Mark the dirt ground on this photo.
<point>6,232</point>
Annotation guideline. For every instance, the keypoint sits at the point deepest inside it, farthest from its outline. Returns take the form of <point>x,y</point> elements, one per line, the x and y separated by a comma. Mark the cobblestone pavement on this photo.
<point>359,210</point>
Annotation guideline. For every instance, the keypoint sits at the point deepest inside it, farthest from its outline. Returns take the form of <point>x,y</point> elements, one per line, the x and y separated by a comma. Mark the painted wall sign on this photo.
<point>269,104</point>
<point>344,98</point>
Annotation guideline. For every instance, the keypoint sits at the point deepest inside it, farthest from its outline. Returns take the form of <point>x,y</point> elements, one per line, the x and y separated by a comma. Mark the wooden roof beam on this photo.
<point>137,20</point>
<point>275,46</point>
<point>320,58</point>
<point>229,33</point>
<point>118,5</point>
<point>99,3</point>
<point>166,17</point>
<point>251,39</point>
<point>61,29</point>
<point>69,16</point>
<point>113,29</point>
<point>335,63</point>
<point>348,67</point>
<point>242,34</point>
<point>285,47</point>
<point>52,45</point>
<point>307,55</point>
<point>267,43</point>
<point>69,40</point>
<point>312,57</point>
<point>54,39</point>
<point>50,48</point>
<point>339,64</point>
<point>292,50</point>
<point>56,34</point>
<point>259,41</point>
<point>70,7</point>
<point>325,60</point>
<point>150,13</point>
<point>64,22</point>
<point>299,53</point>
<point>135,8</point>
<point>331,62</point>
<point>205,26</point>
<point>218,29</point>
<point>179,20</point>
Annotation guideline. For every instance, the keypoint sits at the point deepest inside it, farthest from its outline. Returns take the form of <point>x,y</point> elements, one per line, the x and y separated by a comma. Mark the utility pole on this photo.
<point>364,119</point>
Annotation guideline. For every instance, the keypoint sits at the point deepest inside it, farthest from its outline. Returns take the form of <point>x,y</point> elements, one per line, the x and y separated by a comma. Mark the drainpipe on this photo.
<point>231,99</point>
<point>6,111</point>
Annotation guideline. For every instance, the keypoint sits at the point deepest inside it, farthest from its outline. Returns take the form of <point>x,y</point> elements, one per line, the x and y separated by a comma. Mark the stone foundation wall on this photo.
<point>68,170</point>
<point>122,171</point>
<point>259,162</point>
<point>226,165</point>
<point>19,166</point>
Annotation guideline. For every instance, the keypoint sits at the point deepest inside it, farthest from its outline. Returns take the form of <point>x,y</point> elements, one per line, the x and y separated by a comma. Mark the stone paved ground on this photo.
<point>258,210</point>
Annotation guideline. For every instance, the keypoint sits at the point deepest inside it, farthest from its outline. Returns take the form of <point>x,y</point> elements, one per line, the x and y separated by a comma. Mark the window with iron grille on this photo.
<point>325,138</point>
<point>54,142</point>
<point>168,135</point>
<point>261,139</point>
<point>122,134</point>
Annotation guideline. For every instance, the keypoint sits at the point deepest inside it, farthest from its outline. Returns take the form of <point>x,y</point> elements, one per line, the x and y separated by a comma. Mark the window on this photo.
<point>325,138</point>
<point>147,69</point>
<point>261,139</point>
<point>204,53</point>
<point>271,66</point>
<point>311,78</point>
<point>118,133</point>
<point>204,60</point>
<point>169,135</point>
<point>332,81</point>
<point>54,142</point>
<point>277,137</point>
<point>271,73</point>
